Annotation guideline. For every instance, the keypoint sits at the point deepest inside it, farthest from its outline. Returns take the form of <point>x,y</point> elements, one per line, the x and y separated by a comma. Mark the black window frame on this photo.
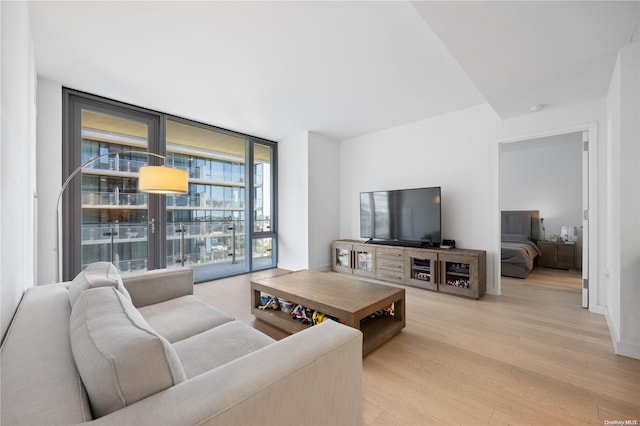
<point>73,102</point>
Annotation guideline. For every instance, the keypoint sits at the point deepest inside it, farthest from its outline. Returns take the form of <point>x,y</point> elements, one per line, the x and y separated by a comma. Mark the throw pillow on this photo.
<point>98,274</point>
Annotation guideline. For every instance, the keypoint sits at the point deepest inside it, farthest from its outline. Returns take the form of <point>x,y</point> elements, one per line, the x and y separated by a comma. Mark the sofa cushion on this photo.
<point>215,347</point>
<point>158,285</point>
<point>97,274</point>
<point>120,358</point>
<point>182,317</point>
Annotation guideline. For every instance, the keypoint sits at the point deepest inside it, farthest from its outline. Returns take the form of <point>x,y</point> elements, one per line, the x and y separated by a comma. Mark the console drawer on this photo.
<point>394,265</point>
<point>390,265</point>
<point>386,275</point>
<point>390,253</point>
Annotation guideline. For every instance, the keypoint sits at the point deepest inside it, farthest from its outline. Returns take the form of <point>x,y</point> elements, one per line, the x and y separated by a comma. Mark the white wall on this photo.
<point>611,243</point>
<point>623,197</point>
<point>49,178</point>
<point>293,202</point>
<point>324,199</point>
<point>308,201</point>
<point>17,158</point>
<point>453,151</point>
<point>545,174</point>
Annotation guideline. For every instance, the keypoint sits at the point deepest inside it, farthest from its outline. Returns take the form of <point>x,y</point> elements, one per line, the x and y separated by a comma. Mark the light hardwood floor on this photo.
<point>531,356</point>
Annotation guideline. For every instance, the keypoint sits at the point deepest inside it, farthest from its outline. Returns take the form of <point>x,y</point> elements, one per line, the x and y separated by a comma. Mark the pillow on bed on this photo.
<point>515,238</point>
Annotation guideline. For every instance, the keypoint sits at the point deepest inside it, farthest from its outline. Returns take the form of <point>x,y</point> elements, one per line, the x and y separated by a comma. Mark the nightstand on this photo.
<point>560,255</point>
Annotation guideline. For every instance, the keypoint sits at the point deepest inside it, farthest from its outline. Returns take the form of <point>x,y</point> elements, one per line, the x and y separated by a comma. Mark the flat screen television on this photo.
<point>407,217</point>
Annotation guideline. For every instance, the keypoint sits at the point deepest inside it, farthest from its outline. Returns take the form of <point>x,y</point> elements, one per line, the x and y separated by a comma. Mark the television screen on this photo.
<point>407,215</point>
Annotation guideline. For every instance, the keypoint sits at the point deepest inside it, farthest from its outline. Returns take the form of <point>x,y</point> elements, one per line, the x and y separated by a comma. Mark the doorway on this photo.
<point>550,174</point>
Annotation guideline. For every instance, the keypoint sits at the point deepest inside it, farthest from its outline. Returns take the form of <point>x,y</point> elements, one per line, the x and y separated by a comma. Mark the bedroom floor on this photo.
<point>531,356</point>
<point>553,278</point>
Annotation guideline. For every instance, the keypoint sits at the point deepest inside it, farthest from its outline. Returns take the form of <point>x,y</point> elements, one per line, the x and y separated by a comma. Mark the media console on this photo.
<point>454,271</point>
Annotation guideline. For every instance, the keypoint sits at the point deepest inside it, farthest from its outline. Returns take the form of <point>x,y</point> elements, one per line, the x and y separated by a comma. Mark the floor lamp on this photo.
<point>152,179</point>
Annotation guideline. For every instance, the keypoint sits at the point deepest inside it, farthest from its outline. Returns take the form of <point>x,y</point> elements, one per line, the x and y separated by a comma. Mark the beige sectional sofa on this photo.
<point>144,350</point>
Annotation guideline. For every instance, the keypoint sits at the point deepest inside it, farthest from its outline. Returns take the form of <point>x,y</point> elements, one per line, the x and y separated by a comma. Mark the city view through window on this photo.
<point>222,226</point>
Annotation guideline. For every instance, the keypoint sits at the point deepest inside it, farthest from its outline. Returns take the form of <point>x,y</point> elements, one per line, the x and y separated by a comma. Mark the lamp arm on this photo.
<point>86,163</point>
<point>65,185</point>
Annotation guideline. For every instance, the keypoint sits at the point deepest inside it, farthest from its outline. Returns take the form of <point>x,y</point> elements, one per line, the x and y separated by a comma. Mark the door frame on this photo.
<point>590,253</point>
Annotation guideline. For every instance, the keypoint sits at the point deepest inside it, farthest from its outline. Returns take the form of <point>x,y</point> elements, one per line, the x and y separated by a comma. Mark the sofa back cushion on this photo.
<point>120,358</point>
<point>40,382</point>
<point>97,274</point>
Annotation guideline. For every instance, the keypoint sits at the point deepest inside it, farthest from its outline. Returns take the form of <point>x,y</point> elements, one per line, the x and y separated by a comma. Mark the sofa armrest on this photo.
<point>313,377</point>
<point>158,285</point>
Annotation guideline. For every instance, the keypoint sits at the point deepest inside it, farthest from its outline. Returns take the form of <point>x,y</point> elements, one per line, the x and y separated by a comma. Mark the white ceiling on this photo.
<point>525,53</point>
<point>274,69</point>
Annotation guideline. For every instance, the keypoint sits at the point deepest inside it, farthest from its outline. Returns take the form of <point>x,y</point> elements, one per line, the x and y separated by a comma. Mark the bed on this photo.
<point>519,249</point>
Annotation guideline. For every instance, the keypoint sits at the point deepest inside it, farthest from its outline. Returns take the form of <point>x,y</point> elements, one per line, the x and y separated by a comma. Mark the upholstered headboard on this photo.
<point>521,222</point>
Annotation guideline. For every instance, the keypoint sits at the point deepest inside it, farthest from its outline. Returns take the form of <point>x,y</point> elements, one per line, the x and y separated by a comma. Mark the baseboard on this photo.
<point>628,349</point>
<point>598,309</point>
<point>321,268</point>
<point>631,350</point>
<point>613,332</point>
<point>491,290</point>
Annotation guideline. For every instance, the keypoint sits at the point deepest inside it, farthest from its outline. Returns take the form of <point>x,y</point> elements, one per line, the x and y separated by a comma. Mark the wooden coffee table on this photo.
<point>350,300</point>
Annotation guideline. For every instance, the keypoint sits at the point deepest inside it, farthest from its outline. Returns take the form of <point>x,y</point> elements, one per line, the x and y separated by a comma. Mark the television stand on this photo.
<point>454,271</point>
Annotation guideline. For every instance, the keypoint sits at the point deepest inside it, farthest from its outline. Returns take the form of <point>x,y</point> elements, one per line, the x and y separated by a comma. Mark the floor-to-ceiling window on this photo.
<point>206,228</point>
<point>224,225</point>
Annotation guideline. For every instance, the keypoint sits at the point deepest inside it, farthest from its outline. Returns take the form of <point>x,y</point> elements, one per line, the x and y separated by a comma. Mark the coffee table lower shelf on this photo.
<point>279,319</point>
<point>375,331</point>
